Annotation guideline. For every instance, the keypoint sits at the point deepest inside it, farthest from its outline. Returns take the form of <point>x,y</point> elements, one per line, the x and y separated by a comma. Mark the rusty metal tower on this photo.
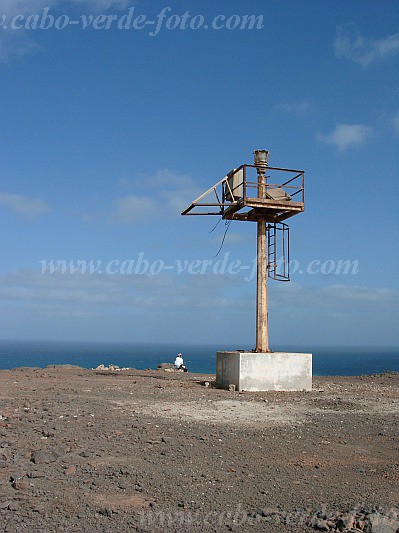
<point>268,196</point>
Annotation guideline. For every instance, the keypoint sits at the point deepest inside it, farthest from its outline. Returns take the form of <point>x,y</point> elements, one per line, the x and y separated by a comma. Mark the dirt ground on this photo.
<point>89,450</point>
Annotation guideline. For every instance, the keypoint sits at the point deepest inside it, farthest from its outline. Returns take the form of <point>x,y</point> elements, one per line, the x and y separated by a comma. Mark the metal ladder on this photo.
<point>278,240</point>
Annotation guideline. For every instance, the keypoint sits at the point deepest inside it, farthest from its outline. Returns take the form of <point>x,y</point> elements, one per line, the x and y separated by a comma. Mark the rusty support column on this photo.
<point>262,307</point>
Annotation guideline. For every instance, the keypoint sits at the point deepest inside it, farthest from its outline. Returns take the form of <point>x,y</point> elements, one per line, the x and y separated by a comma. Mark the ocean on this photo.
<point>327,361</point>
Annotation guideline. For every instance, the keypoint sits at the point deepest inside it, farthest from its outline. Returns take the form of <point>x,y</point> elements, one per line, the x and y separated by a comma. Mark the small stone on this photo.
<point>105,512</point>
<point>84,454</point>
<point>38,509</point>
<point>163,366</point>
<point>4,505</point>
<point>70,470</point>
<point>36,474</point>
<point>18,483</point>
<point>382,524</point>
<point>270,511</point>
<point>232,387</point>
<point>44,456</point>
<point>206,384</point>
<point>346,521</point>
<point>321,525</point>
<point>13,506</point>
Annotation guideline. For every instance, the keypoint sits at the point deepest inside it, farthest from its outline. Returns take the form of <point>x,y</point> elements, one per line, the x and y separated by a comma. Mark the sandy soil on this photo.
<point>85,450</point>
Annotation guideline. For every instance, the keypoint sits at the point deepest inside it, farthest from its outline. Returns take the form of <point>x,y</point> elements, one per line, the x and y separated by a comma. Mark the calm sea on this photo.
<point>327,361</point>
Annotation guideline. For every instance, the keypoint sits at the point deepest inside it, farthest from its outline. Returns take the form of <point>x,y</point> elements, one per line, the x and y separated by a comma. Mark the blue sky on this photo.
<point>107,134</point>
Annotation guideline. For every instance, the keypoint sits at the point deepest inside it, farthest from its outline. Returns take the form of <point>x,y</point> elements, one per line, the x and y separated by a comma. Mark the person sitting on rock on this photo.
<point>179,363</point>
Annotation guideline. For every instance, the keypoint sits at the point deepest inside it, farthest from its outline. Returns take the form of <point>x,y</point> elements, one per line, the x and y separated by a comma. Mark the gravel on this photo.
<point>129,450</point>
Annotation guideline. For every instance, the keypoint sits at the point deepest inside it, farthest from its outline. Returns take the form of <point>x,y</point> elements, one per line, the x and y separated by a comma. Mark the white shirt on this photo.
<point>179,361</point>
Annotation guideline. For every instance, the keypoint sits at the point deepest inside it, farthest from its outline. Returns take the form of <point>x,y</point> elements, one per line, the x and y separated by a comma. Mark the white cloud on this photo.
<point>175,190</point>
<point>165,194</point>
<point>103,5</point>
<point>19,42</point>
<point>349,44</point>
<point>170,304</point>
<point>83,292</point>
<point>347,295</point>
<point>115,307</point>
<point>16,44</point>
<point>24,7</point>
<point>347,135</point>
<point>133,209</point>
<point>169,290</point>
<point>26,206</point>
<point>28,7</point>
<point>336,314</point>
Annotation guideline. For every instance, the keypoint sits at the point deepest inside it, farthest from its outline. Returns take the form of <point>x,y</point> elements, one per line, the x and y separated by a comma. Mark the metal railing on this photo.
<point>241,184</point>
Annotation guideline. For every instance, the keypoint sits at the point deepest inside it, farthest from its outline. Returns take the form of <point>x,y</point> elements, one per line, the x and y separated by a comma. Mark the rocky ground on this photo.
<point>102,450</point>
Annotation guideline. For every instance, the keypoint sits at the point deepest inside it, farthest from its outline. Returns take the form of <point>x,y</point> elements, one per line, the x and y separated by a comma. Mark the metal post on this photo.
<point>262,305</point>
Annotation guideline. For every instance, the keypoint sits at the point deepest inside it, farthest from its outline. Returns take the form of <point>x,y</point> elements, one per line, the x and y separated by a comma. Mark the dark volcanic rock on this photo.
<point>45,456</point>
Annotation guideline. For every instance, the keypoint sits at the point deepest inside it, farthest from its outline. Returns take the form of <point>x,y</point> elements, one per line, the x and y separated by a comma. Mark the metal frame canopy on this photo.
<point>236,196</point>
<point>265,195</point>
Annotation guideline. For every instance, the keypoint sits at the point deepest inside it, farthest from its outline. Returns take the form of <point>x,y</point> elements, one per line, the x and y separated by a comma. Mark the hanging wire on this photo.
<point>228,222</point>
<point>216,225</point>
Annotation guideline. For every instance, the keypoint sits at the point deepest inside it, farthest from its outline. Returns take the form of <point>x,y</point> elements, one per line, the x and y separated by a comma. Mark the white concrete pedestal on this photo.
<point>264,371</point>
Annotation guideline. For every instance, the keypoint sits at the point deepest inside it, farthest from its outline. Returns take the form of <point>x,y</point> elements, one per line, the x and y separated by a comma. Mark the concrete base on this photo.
<point>264,371</point>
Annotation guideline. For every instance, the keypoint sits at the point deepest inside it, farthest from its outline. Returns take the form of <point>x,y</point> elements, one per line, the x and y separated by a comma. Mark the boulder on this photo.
<point>166,366</point>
